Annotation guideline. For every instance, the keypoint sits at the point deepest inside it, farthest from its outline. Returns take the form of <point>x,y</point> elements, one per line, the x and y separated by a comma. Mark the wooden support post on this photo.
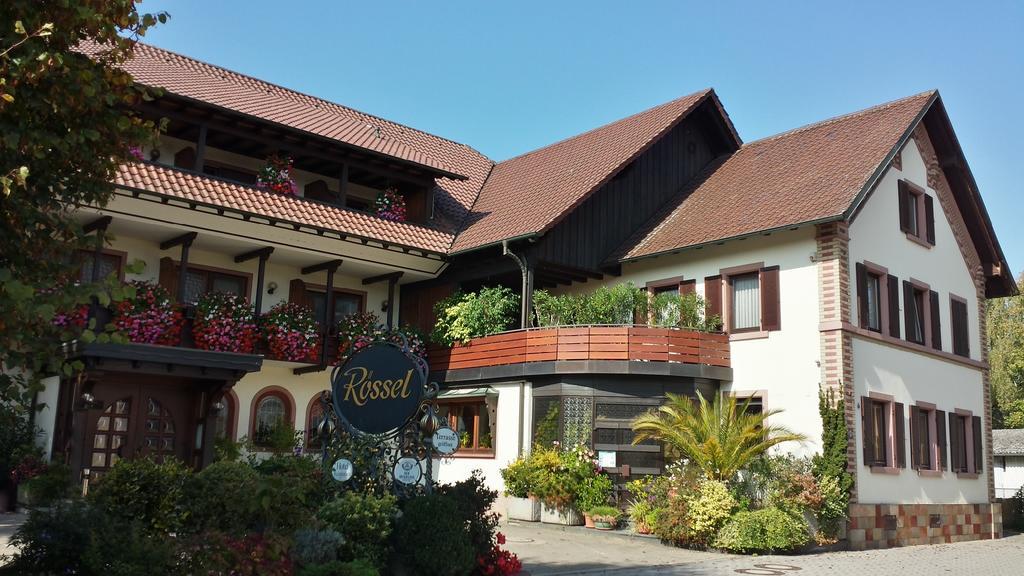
<point>99,226</point>
<point>263,254</point>
<point>330,266</point>
<point>343,185</point>
<point>201,149</point>
<point>185,241</point>
<point>392,279</point>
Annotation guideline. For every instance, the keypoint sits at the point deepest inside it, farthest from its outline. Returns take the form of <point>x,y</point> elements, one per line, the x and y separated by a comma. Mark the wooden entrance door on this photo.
<point>137,419</point>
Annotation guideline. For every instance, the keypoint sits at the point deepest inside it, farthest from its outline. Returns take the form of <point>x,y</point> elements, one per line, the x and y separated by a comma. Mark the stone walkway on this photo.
<point>548,550</point>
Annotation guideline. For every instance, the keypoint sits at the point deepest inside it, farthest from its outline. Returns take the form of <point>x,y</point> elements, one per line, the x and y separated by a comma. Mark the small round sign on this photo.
<point>446,440</point>
<point>342,470</point>
<point>407,470</point>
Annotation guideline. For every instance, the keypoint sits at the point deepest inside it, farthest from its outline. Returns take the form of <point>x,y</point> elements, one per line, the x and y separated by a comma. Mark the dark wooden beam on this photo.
<point>100,223</point>
<point>185,239</point>
<point>201,149</point>
<point>329,266</point>
<point>309,369</point>
<point>263,254</point>
<point>571,270</point>
<point>257,253</point>
<point>381,278</point>
<point>343,184</point>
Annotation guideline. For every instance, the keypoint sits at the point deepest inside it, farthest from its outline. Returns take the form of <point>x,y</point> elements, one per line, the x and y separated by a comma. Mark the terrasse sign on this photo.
<point>378,389</point>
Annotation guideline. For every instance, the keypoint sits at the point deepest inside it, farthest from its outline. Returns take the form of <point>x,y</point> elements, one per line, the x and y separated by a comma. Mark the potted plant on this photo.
<point>150,317</point>
<point>276,176</point>
<point>556,484</point>
<point>593,491</point>
<point>356,331</point>
<point>606,517</point>
<point>390,205</point>
<point>290,332</point>
<point>224,323</point>
<point>519,503</point>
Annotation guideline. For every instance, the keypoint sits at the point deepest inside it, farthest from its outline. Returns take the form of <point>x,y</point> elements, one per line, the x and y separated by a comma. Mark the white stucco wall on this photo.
<point>783,367</point>
<point>46,418</point>
<point>909,377</point>
<point>875,236</point>
<point>1009,475</point>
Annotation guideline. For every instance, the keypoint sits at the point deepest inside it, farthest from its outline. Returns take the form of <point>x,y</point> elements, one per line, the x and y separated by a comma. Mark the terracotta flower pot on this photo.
<point>588,521</point>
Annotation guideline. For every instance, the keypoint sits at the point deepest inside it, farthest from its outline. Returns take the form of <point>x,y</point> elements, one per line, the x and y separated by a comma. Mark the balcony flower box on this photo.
<point>290,333</point>
<point>224,323</point>
<point>150,317</point>
<point>525,509</point>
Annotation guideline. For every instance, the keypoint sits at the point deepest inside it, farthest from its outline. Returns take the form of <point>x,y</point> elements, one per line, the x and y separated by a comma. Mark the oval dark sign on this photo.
<point>378,389</point>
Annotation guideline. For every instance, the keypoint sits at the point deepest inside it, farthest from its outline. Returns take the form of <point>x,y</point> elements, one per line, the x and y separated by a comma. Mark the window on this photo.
<point>472,421</point>
<point>110,263</point>
<point>877,299</point>
<point>917,213</point>
<point>754,404</point>
<point>665,304</point>
<point>746,302</point>
<point>314,417</point>
<point>882,433</point>
<point>224,424</point>
<point>272,409</point>
<point>965,449</point>
<point>916,312</point>
<point>927,438</point>
<point>959,326</point>
<point>199,281</point>
<point>345,303</point>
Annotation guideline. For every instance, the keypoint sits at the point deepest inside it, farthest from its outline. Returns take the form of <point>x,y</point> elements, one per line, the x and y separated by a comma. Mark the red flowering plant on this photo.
<point>290,332</point>
<point>74,320</point>
<point>390,205</point>
<point>415,339</point>
<point>498,562</point>
<point>356,331</point>
<point>276,176</point>
<point>151,317</point>
<point>29,467</point>
<point>224,323</point>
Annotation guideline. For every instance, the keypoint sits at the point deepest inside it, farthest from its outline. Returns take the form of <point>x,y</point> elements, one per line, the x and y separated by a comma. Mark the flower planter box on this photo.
<point>567,516</point>
<point>604,525</point>
<point>527,509</point>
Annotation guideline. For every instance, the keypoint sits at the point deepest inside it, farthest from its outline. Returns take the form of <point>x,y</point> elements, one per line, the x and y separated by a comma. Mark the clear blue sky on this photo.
<point>507,77</point>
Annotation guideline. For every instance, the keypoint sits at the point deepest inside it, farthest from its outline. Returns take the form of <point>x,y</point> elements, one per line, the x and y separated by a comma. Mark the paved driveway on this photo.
<point>548,550</point>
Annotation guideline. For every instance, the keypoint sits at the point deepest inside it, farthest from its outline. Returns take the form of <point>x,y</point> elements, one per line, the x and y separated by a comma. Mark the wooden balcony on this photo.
<point>622,343</point>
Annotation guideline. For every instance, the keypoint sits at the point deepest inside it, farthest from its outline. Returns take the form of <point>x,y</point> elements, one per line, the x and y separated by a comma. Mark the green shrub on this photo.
<point>218,554</point>
<point>434,518</point>
<point>594,491</point>
<point>125,548</point>
<point>834,505</point>
<point>763,531</point>
<point>338,568</point>
<point>461,317</point>
<point>473,503</point>
<point>53,541</point>
<point>707,510</point>
<point>672,523</point>
<point>312,546</point>
<point>53,484</point>
<point>141,489</point>
<point>366,522</point>
<point>518,477</point>
<point>609,514</point>
<point>222,497</point>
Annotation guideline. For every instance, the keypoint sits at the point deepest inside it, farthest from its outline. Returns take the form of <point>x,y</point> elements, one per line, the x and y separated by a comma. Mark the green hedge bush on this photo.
<point>763,531</point>
<point>142,489</point>
<point>436,519</point>
<point>708,508</point>
<point>366,521</point>
<point>220,497</point>
<point>461,317</point>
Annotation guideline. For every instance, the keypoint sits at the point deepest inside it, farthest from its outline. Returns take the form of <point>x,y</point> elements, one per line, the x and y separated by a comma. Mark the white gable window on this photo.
<point>746,302</point>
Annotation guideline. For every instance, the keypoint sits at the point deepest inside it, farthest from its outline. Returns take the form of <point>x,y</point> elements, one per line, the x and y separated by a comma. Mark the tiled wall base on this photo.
<point>890,525</point>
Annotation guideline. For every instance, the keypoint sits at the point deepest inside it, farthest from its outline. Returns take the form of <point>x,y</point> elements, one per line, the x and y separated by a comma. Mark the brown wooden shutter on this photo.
<point>894,306</point>
<point>904,193</point>
<point>915,438</point>
<point>862,295</point>
<point>297,294</point>
<point>771,315</point>
<point>940,433</point>
<point>929,219</point>
<point>867,420</point>
<point>901,437</point>
<point>979,455</point>
<point>959,327</point>
<point>713,296</point>
<point>687,287</point>
<point>955,443</point>
<point>169,277</point>
<point>908,319</point>
<point>933,303</point>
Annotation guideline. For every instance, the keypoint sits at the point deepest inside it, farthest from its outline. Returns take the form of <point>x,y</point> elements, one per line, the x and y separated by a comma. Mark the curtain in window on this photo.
<point>915,328</point>
<point>873,305</point>
<point>746,302</point>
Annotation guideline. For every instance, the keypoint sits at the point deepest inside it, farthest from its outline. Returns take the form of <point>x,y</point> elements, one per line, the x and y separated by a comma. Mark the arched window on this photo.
<point>314,416</point>
<point>272,408</point>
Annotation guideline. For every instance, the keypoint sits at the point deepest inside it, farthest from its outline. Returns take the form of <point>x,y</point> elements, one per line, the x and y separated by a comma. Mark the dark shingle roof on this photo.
<point>1008,442</point>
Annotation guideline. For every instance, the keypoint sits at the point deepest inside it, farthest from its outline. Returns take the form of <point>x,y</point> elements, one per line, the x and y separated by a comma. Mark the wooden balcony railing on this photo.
<point>636,343</point>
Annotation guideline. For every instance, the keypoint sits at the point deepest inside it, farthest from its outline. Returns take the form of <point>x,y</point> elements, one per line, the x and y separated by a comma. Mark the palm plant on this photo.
<point>720,437</point>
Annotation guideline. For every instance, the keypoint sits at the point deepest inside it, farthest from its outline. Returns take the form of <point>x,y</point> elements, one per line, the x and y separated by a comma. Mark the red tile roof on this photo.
<point>201,189</point>
<point>530,193</point>
<point>190,78</point>
<point>809,174</point>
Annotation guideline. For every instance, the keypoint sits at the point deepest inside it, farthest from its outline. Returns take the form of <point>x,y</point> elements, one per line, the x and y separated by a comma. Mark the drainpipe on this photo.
<point>527,290</point>
<point>522,423</point>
